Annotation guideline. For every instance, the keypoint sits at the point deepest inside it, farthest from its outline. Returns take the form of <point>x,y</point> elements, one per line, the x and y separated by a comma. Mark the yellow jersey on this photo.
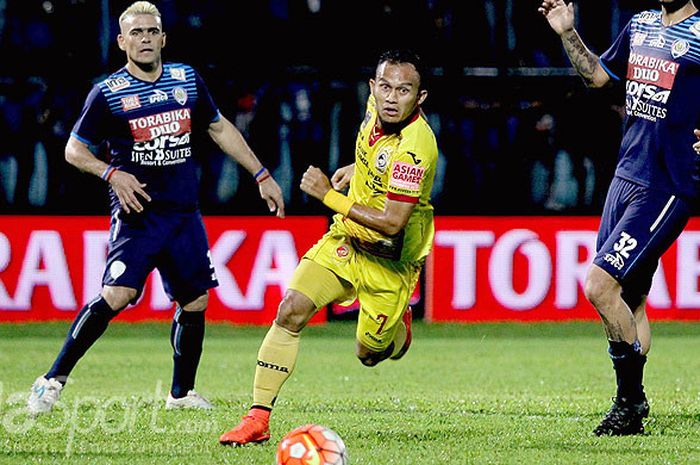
<point>399,167</point>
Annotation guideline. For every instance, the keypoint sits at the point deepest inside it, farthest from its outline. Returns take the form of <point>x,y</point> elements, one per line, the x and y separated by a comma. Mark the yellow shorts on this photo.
<point>382,286</point>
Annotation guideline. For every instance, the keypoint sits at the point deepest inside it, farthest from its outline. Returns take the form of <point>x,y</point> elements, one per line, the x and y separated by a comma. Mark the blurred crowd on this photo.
<point>518,132</point>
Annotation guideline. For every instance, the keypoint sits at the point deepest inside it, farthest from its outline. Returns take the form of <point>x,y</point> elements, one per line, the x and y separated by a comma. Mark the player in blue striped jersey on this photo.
<point>657,57</point>
<point>147,113</point>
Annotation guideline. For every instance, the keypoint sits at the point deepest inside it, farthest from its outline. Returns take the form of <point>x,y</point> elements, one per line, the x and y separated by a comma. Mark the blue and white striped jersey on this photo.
<point>149,128</point>
<point>661,69</point>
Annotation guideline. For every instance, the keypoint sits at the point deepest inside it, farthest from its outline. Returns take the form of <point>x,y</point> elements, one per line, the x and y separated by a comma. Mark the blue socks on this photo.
<point>88,326</point>
<point>186,337</point>
<point>628,362</point>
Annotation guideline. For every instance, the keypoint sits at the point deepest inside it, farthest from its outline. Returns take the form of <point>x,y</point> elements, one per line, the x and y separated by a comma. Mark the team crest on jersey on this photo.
<point>117,84</point>
<point>180,95</point>
<point>648,17</point>
<point>381,162</point>
<point>131,102</point>
<point>679,48</point>
<point>342,251</point>
<point>695,28</point>
<point>659,42</point>
<point>178,74</point>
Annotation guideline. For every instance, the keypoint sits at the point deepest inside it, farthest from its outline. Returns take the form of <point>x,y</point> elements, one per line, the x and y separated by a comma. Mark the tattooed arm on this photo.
<point>561,18</point>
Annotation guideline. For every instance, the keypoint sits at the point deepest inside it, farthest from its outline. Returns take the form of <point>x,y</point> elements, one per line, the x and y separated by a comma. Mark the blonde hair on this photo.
<point>140,8</point>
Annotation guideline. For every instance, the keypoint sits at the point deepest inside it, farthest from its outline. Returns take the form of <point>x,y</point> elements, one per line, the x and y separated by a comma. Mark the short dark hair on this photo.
<point>397,56</point>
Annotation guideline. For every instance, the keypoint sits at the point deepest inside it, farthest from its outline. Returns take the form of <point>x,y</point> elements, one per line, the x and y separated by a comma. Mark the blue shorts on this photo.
<point>637,226</point>
<point>174,243</point>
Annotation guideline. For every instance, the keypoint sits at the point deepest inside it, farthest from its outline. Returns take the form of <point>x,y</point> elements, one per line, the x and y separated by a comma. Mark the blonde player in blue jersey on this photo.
<point>656,181</point>
<point>147,112</point>
<point>376,245</point>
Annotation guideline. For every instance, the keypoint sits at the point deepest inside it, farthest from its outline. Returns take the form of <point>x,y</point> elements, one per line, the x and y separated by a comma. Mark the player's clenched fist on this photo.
<point>559,15</point>
<point>315,183</point>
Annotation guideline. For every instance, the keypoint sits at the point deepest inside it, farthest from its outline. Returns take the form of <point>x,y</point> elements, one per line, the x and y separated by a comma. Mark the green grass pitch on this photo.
<point>464,394</point>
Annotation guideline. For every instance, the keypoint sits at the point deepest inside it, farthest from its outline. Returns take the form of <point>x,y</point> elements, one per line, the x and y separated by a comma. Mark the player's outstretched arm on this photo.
<point>125,185</point>
<point>560,17</point>
<point>341,177</point>
<point>231,142</point>
<point>389,221</point>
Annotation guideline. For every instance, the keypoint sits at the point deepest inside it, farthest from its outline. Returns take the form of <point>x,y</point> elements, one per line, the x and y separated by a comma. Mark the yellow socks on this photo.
<point>276,359</point>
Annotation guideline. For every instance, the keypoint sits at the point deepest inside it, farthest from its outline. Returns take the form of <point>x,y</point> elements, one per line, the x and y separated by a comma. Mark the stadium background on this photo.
<point>519,136</point>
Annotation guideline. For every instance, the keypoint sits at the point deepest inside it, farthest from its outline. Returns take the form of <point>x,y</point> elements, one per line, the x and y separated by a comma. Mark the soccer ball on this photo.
<point>312,445</point>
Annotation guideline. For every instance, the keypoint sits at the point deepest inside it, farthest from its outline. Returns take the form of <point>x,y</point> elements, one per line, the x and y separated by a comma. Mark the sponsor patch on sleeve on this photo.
<point>406,176</point>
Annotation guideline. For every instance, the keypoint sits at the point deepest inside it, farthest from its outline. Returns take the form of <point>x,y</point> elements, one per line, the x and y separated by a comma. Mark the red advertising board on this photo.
<point>533,268</point>
<point>51,265</point>
<point>481,269</point>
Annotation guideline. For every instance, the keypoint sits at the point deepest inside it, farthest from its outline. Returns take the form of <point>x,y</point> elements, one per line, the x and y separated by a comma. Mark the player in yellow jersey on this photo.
<point>375,247</point>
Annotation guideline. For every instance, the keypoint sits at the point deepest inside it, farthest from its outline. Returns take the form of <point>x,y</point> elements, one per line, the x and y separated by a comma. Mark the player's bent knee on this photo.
<point>118,297</point>
<point>197,305</point>
<point>599,287</point>
<point>294,311</point>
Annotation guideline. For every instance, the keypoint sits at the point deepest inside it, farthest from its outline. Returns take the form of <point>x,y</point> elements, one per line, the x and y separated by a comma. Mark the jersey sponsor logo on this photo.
<point>158,96</point>
<point>638,38</point>
<point>649,92</point>
<point>695,28</point>
<point>679,47</point>
<point>131,102</point>
<point>169,122</point>
<point>658,42</point>
<point>178,74</point>
<point>642,99</point>
<point>117,84</point>
<point>180,95</point>
<point>406,176</point>
<point>648,17</point>
<point>162,139</point>
<point>652,70</point>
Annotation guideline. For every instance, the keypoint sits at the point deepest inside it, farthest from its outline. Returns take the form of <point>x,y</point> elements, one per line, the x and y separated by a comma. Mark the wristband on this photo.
<point>111,172</point>
<point>261,179</point>
<point>106,172</point>
<point>262,170</point>
<point>338,202</point>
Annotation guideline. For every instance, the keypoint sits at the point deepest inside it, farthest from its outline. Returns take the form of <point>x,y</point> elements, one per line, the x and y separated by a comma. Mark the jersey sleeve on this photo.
<point>205,103</point>
<point>614,60</point>
<point>90,128</point>
<point>407,178</point>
